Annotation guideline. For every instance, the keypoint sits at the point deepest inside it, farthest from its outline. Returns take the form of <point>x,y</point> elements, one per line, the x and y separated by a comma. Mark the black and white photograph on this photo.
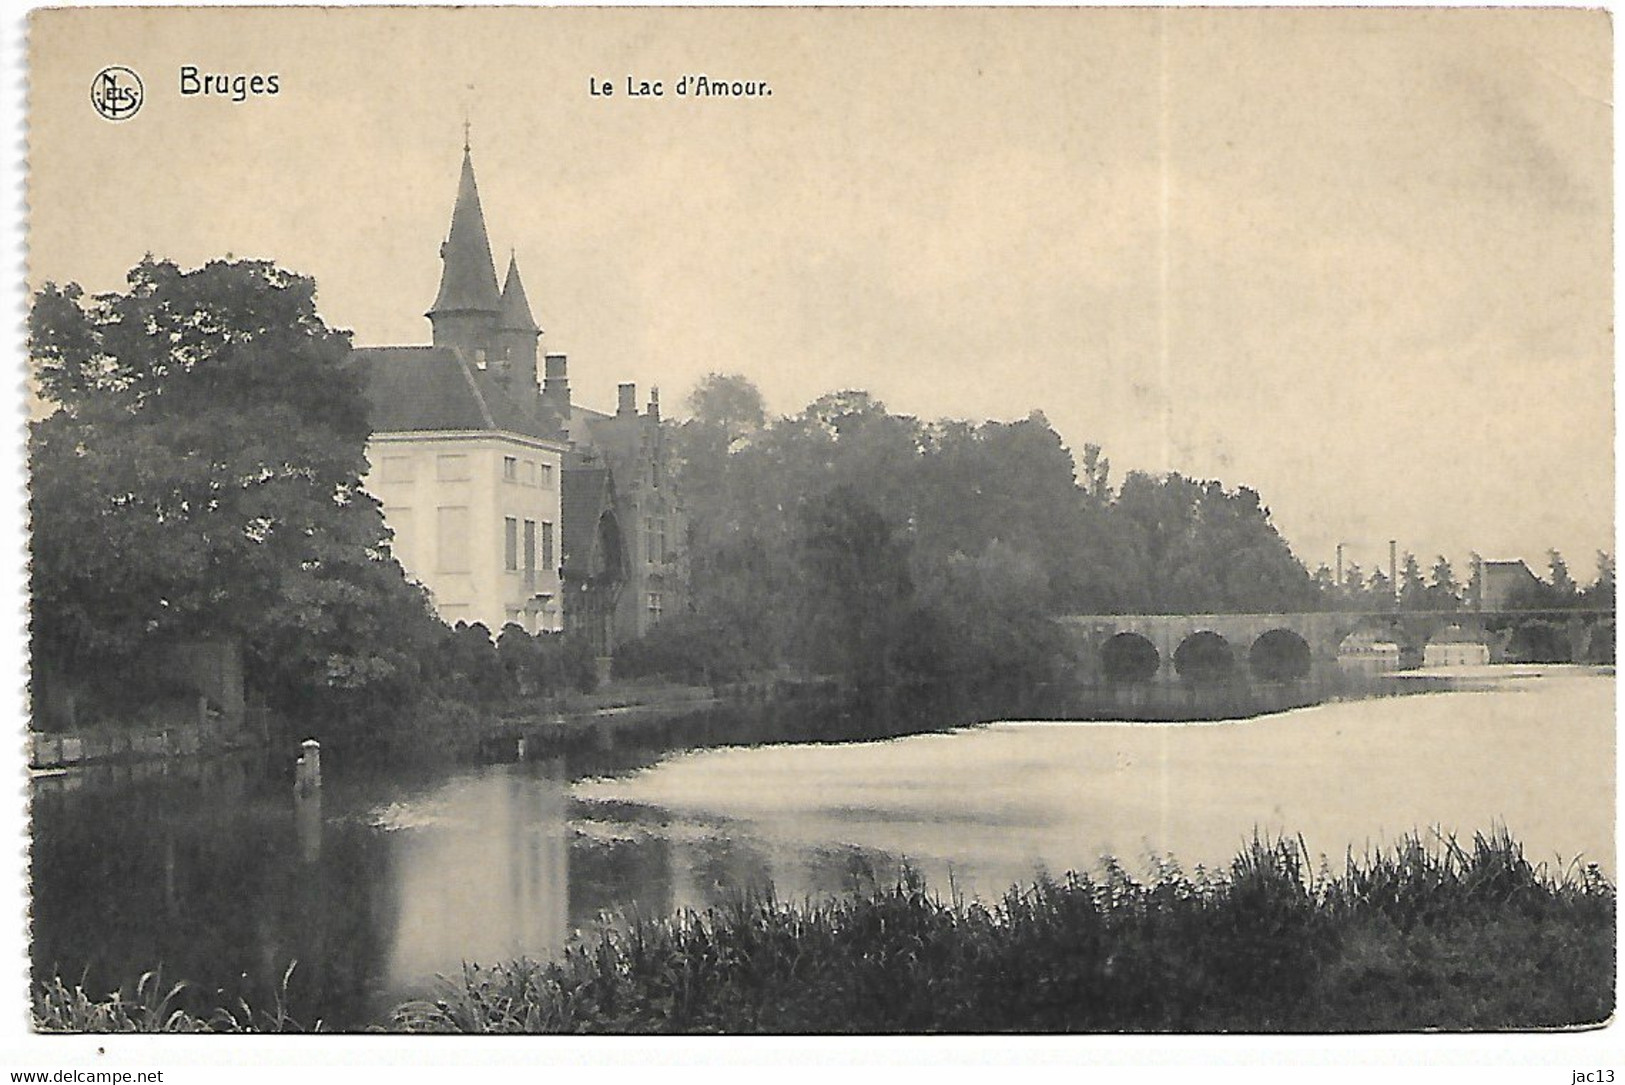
<point>817,522</point>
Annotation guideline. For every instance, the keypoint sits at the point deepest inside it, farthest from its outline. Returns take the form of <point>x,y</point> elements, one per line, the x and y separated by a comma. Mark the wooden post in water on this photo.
<point>307,771</point>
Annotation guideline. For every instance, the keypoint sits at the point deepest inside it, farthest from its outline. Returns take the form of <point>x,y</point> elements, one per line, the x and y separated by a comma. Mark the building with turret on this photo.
<point>509,501</point>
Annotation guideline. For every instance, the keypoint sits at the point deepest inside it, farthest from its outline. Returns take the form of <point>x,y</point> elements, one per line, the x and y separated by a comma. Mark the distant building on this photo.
<point>508,501</point>
<point>1368,653</point>
<point>1455,647</point>
<point>1502,582</point>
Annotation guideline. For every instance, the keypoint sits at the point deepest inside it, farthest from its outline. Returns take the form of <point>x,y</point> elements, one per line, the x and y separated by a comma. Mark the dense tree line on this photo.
<point>847,539</point>
<point>198,477</point>
<point>1442,590</point>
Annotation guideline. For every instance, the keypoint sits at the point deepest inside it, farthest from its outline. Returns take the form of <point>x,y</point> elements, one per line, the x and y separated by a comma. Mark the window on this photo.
<point>528,474</point>
<point>397,468</point>
<point>547,546</point>
<point>451,468</point>
<point>510,544</point>
<point>530,553</point>
<point>547,475</point>
<point>655,530</point>
<point>510,469</point>
<point>656,604</point>
<point>451,539</point>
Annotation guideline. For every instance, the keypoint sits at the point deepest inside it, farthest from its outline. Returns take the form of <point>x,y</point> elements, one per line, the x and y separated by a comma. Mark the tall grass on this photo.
<point>1430,934</point>
<point>149,1006</point>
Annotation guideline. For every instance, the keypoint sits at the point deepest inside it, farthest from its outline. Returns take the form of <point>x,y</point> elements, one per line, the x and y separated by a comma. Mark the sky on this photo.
<point>1358,260</point>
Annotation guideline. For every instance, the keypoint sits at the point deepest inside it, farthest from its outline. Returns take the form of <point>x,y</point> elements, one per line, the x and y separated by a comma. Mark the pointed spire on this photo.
<point>516,315</point>
<point>468,281</point>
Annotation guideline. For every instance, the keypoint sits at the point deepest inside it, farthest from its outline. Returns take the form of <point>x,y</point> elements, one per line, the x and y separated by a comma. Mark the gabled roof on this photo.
<point>418,389</point>
<point>515,306</point>
<point>468,281</point>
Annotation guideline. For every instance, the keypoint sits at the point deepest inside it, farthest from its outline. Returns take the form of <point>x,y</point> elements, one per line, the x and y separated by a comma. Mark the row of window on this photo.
<point>527,472</point>
<point>456,467</point>
<point>513,544</point>
<point>451,540</point>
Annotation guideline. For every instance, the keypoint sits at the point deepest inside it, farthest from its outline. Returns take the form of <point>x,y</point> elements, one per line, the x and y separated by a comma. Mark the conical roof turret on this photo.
<point>515,312</point>
<point>468,280</point>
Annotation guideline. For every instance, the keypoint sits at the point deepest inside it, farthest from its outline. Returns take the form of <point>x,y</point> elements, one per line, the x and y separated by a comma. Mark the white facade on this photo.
<point>1366,653</point>
<point>1456,654</point>
<point>476,521</point>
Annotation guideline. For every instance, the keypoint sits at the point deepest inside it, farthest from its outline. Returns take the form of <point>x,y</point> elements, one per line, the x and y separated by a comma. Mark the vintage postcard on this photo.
<point>821,521</point>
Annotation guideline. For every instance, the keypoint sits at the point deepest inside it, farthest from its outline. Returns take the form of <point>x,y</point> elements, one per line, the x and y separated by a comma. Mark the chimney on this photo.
<point>654,404</point>
<point>628,406</point>
<point>556,385</point>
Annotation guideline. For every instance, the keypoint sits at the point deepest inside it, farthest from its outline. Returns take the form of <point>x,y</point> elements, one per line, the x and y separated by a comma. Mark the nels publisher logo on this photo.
<point>116,92</point>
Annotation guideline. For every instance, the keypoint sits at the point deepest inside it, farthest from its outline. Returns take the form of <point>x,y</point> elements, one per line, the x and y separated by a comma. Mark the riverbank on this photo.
<point>571,719</point>
<point>641,711</point>
<point>649,712</point>
<point>1432,934</point>
<point>55,752</point>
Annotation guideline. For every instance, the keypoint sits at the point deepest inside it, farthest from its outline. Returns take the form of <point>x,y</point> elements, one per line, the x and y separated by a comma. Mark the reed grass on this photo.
<point>149,1006</point>
<point>1430,934</point>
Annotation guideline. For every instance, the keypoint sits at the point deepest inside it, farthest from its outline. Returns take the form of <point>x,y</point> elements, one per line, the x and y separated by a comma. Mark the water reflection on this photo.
<point>991,806</point>
<point>215,872</point>
<point>307,816</point>
<point>481,868</point>
<point>211,874</point>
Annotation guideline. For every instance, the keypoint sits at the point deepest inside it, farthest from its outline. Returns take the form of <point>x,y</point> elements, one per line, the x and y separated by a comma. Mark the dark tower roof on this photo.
<point>515,307</point>
<point>468,281</point>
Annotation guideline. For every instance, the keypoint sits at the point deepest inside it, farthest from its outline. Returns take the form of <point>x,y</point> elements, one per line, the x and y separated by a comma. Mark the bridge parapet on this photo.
<point>1322,632</point>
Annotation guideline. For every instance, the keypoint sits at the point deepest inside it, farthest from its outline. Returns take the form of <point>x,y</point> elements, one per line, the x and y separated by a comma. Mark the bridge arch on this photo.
<point>1204,656</point>
<point>1129,657</point>
<point>1279,655</point>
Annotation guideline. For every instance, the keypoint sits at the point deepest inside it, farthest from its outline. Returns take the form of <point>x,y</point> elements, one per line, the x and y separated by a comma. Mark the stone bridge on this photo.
<point>1281,646</point>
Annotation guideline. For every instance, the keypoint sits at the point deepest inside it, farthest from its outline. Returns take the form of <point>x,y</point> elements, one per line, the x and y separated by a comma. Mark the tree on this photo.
<point>1413,592</point>
<point>1564,591</point>
<point>200,477</point>
<point>730,404</point>
<point>855,585</point>
<point>1380,590</point>
<point>1443,593</point>
<point>1601,592</point>
<point>1354,586</point>
<point>1096,472</point>
<point>1325,587</point>
<point>1200,547</point>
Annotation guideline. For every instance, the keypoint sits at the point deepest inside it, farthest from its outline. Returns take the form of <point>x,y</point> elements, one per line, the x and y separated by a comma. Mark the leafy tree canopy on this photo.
<point>200,477</point>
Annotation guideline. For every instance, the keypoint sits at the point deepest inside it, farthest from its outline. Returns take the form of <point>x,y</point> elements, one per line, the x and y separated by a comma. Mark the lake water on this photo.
<point>215,872</point>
